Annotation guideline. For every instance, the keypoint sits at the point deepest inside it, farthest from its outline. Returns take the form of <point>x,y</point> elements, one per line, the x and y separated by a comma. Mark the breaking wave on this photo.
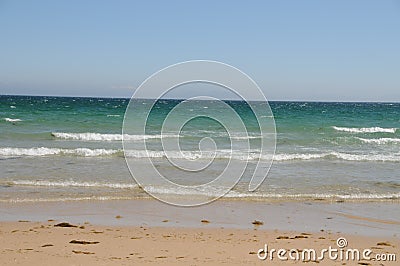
<point>119,137</point>
<point>105,137</point>
<point>339,155</point>
<point>12,120</point>
<point>195,155</point>
<point>43,151</point>
<point>365,129</point>
<point>380,140</point>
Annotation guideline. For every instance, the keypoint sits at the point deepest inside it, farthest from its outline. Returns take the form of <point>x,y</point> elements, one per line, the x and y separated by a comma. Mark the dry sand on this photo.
<point>147,232</point>
<point>43,243</point>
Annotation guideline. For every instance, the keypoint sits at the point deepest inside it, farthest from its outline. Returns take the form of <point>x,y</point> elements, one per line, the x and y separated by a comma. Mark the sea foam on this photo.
<point>196,155</point>
<point>43,151</point>
<point>365,129</point>
<point>380,140</point>
<point>71,184</point>
<point>105,137</point>
<point>12,120</point>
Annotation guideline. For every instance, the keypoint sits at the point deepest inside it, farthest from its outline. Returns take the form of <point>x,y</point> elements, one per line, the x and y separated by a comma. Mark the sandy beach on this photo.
<point>44,243</point>
<point>200,133</point>
<point>124,233</point>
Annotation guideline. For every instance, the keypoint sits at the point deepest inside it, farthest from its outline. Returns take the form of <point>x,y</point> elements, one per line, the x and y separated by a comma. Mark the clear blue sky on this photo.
<point>295,50</point>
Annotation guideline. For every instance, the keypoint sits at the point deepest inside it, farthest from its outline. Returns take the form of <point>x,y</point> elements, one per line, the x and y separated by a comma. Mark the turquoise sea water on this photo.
<point>57,148</point>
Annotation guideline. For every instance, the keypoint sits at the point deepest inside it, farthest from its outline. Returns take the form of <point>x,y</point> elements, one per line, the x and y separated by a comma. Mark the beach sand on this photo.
<point>147,232</point>
<point>43,243</point>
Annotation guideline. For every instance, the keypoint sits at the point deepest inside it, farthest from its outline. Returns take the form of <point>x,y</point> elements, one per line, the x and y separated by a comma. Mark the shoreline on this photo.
<point>323,199</point>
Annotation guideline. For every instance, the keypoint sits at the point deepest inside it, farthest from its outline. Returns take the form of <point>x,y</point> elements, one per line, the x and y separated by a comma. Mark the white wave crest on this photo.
<point>196,155</point>
<point>365,129</point>
<point>380,140</point>
<point>237,155</point>
<point>105,137</point>
<point>366,157</point>
<point>43,151</point>
<point>300,156</point>
<point>12,120</point>
<point>339,155</point>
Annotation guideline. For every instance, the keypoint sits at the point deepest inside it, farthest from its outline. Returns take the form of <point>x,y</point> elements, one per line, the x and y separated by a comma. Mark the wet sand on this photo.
<point>369,219</point>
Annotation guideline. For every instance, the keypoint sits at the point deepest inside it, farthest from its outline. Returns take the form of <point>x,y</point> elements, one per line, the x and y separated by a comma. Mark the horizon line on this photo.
<point>128,98</point>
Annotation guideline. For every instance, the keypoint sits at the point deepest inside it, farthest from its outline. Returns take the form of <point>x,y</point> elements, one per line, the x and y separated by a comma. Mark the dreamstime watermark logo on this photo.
<point>156,174</point>
<point>338,253</point>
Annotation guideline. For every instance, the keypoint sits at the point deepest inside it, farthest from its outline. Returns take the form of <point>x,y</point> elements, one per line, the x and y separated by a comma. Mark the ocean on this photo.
<point>70,149</point>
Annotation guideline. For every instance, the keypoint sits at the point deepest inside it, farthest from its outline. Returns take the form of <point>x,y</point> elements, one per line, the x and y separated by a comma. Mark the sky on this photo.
<point>295,50</point>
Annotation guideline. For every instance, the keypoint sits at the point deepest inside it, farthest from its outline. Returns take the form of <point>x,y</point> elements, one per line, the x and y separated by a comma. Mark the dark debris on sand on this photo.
<point>255,222</point>
<point>65,225</point>
<point>82,242</point>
